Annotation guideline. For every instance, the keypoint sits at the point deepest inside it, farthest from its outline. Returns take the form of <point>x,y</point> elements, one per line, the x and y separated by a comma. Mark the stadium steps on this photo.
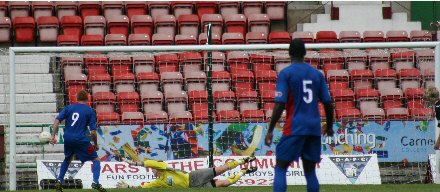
<point>403,173</point>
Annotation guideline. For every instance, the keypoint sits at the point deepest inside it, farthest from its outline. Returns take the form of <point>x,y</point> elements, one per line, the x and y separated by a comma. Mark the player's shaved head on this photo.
<point>297,49</point>
<point>82,96</point>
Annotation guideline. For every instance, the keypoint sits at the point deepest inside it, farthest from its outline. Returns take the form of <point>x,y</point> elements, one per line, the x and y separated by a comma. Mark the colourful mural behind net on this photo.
<point>393,141</point>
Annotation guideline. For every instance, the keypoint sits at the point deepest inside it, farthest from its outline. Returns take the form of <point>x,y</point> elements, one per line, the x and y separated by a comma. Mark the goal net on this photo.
<point>156,103</point>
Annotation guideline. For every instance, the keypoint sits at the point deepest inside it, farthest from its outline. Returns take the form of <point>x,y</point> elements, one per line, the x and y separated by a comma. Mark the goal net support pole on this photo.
<point>13,51</point>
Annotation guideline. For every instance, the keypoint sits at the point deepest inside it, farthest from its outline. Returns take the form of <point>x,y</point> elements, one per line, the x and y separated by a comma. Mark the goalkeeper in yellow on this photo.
<point>168,177</point>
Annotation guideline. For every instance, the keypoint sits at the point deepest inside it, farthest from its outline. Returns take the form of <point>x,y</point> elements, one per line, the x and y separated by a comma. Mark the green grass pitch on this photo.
<point>324,188</point>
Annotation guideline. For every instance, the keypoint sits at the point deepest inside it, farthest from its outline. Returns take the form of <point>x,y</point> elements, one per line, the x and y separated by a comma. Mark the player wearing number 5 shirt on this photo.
<point>78,117</point>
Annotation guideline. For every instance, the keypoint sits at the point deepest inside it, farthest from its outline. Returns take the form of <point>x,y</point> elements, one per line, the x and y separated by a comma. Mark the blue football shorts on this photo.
<point>291,148</point>
<point>84,151</point>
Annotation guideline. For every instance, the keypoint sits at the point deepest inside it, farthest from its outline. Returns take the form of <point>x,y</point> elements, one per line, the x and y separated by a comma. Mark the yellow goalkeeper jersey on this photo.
<point>169,177</point>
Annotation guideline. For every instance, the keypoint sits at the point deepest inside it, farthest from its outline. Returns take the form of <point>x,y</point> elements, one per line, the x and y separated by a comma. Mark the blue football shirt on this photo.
<point>77,116</point>
<point>300,86</point>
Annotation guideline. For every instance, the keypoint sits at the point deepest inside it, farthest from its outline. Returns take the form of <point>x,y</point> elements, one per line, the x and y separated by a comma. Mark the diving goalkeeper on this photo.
<point>168,177</point>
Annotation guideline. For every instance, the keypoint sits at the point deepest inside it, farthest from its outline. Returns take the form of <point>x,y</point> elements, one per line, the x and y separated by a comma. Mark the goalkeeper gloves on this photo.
<point>131,162</point>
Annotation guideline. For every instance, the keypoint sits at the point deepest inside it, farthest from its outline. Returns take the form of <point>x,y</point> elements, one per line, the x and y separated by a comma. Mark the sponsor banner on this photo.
<point>345,169</point>
<point>392,141</point>
<point>354,169</point>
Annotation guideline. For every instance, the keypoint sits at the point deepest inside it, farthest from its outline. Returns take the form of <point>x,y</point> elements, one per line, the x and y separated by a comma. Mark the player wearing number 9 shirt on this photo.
<point>299,89</point>
<point>78,117</point>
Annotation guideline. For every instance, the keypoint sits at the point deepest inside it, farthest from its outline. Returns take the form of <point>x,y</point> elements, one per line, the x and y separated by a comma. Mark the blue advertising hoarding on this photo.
<point>392,141</point>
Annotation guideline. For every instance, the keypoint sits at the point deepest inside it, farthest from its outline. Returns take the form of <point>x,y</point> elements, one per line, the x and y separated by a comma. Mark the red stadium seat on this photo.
<point>92,40</point>
<point>24,29</point>
<point>156,118</point>
<point>171,82</point>
<point>326,37</point>
<point>190,62</point>
<point>414,93</point>
<point>162,39</point>
<point>96,64</point>
<point>115,40</point>
<point>256,38</point>
<point>218,60</point>
<point>167,62</point>
<point>392,104</point>
<point>128,102</point>
<point>367,94</point>
<point>89,8</point>
<point>225,106</point>
<point>267,91</point>
<point>186,40</point>
<point>397,113</point>
<point>206,7</point>
<point>373,36</point>
<point>421,113</point>
<point>100,82</point>
<point>252,7</point>
<point>338,75</point>
<point>422,35</point>
<point>397,36</point>
<point>133,118</point>
<point>165,24</point>
<point>236,23</point>
<point>306,36</point>
<point>266,76</point>
<point>159,8</point>
<point>229,7</point>
<point>176,101</point>
<point>348,114</point>
<point>182,8</point>
<point>19,9</point>
<point>138,39</point>
<point>258,23</point>
<point>220,81</point>
<point>94,25</point>
<point>279,37</point>
<point>108,118</point>
<point>72,25</point>
<point>48,29</point>
<point>5,30</point>
<point>350,36</point>
<point>391,94</point>
<point>238,60</point>
<point>195,81</point>
<point>216,21</point>
<point>136,8</point>
<point>67,40</point>
<point>343,95</point>
<point>143,63</point>
<point>148,82</point>
<point>112,8</point>
<point>3,9</point>
<point>66,8</point>
<point>42,8</point>
<point>216,39</point>
<point>118,24</point>
<point>373,114</point>
<point>276,10</point>
<point>142,24</point>
<point>181,117</point>
<point>232,38</point>
<point>188,25</point>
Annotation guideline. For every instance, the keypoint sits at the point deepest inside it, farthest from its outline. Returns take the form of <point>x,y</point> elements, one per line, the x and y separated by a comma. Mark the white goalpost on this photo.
<point>14,51</point>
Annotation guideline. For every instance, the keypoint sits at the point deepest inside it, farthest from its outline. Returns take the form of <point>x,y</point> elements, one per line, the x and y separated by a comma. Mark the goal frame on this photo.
<point>13,51</point>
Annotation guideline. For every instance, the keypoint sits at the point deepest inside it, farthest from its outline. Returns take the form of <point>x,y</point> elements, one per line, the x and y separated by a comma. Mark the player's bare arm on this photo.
<point>56,124</point>
<point>95,139</point>
<point>276,115</point>
<point>329,113</point>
